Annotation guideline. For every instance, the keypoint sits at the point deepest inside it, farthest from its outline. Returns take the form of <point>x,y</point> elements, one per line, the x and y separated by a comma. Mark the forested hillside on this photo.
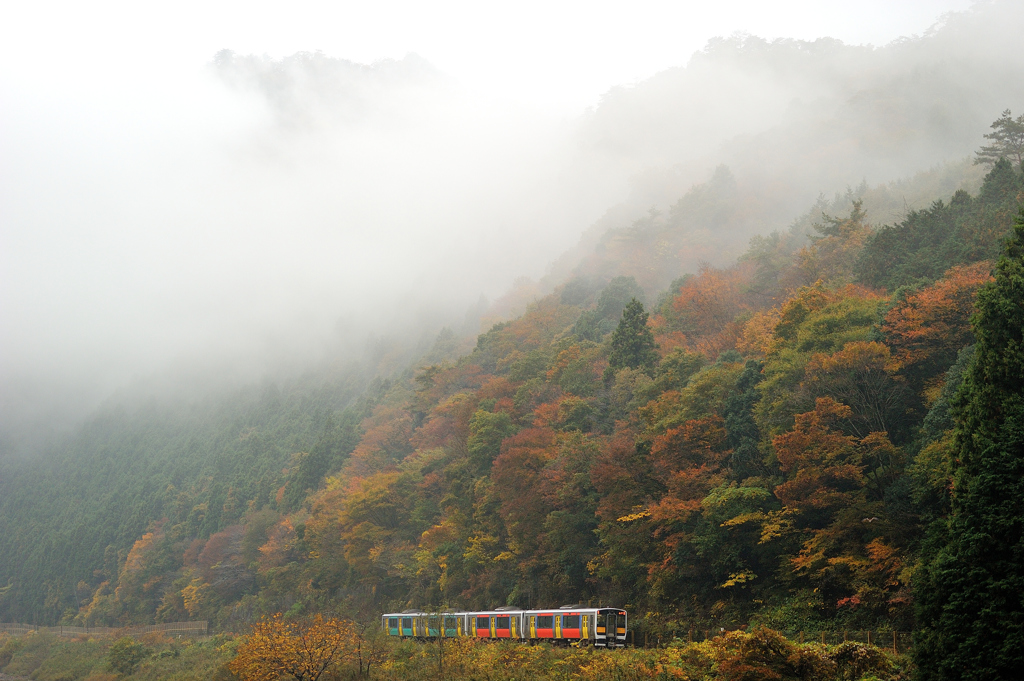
<point>68,522</point>
<point>764,442</point>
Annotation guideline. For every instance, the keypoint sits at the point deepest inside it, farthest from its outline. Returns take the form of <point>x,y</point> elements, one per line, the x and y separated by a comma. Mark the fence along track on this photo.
<point>181,628</point>
<point>896,641</point>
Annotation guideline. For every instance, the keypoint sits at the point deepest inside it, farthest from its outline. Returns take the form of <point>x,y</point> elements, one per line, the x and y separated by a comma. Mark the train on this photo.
<point>601,627</point>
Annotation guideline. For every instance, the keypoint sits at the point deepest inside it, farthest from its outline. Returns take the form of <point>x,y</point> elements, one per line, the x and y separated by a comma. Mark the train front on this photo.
<point>611,628</point>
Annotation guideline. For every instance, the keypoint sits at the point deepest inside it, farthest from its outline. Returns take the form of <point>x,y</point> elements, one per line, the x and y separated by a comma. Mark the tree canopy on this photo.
<point>972,591</point>
<point>777,441</point>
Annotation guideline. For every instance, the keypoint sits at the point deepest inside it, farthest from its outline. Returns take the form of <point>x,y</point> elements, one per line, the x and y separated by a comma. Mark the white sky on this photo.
<point>552,55</point>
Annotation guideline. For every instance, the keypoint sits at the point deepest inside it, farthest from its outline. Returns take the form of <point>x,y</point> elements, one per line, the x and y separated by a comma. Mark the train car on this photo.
<point>498,623</point>
<point>419,624</point>
<point>602,627</point>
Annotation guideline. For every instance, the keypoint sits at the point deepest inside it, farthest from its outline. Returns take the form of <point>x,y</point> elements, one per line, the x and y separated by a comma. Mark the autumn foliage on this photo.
<point>304,650</point>
<point>768,441</point>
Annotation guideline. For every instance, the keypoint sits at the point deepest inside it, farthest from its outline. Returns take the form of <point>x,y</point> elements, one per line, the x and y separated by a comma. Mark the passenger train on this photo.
<point>601,627</point>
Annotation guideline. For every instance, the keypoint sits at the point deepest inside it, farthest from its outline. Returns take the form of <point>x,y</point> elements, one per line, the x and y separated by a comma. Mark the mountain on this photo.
<point>780,458</point>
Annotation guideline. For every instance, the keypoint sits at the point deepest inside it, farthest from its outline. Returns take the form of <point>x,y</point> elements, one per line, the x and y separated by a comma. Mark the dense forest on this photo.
<point>771,442</point>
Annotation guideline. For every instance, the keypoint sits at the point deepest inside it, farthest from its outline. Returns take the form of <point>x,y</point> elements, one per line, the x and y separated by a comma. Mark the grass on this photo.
<point>43,656</point>
<point>735,656</point>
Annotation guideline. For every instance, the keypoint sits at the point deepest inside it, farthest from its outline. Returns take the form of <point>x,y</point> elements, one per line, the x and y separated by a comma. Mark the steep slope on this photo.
<point>780,459</point>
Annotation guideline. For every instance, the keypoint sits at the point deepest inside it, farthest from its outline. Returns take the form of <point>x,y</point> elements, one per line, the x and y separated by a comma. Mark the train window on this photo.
<point>502,623</point>
<point>450,622</point>
<point>570,621</point>
<point>483,622</point>
<point>393,622</point>
<point>407,623</point>
<point>545,622</point>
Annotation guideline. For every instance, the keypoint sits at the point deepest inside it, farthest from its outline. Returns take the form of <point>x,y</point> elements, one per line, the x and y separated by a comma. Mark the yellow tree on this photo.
<point>303,650</point>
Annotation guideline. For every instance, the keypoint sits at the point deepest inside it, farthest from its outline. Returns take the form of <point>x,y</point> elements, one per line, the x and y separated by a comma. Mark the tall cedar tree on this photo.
<point>971,594</point>
<point>632,342</point>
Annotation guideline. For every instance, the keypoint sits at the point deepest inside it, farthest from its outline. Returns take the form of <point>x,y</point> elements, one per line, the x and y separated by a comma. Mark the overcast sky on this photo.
<point>550,54</point>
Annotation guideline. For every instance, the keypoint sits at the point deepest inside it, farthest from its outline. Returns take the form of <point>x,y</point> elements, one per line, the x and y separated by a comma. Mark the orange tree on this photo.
<point>300,649</point>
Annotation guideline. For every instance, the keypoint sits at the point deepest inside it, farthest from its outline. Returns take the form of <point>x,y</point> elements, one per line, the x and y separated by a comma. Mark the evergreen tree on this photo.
<point>1007,141</point>
<point>632,342</point>
<point>743,435</point>
<point>595,324</point>
<point>971,593</point>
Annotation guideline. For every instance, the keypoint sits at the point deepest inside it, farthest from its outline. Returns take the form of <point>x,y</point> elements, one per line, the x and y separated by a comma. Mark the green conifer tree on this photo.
<point>970,594</point>
<point>1007,141</point>
<point>632,342</point>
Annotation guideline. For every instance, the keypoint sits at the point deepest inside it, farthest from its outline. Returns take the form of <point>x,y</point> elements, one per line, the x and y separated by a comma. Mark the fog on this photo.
<point>267,212</point>
<point>751,132</point>
<point>247,215</point>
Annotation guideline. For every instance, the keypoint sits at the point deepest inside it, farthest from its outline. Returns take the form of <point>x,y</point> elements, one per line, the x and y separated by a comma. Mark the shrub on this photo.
<point>766,655</point>
<point>8,646</point>
<point>855,660</point>
<point>125,654</point>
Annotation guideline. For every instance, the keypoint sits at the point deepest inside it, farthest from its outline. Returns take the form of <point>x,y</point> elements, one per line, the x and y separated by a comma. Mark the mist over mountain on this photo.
<point>262,217</point>
<point>308,90</point>
<point>307,335</point>
<point>765,128</point>
<point>276,214</point>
